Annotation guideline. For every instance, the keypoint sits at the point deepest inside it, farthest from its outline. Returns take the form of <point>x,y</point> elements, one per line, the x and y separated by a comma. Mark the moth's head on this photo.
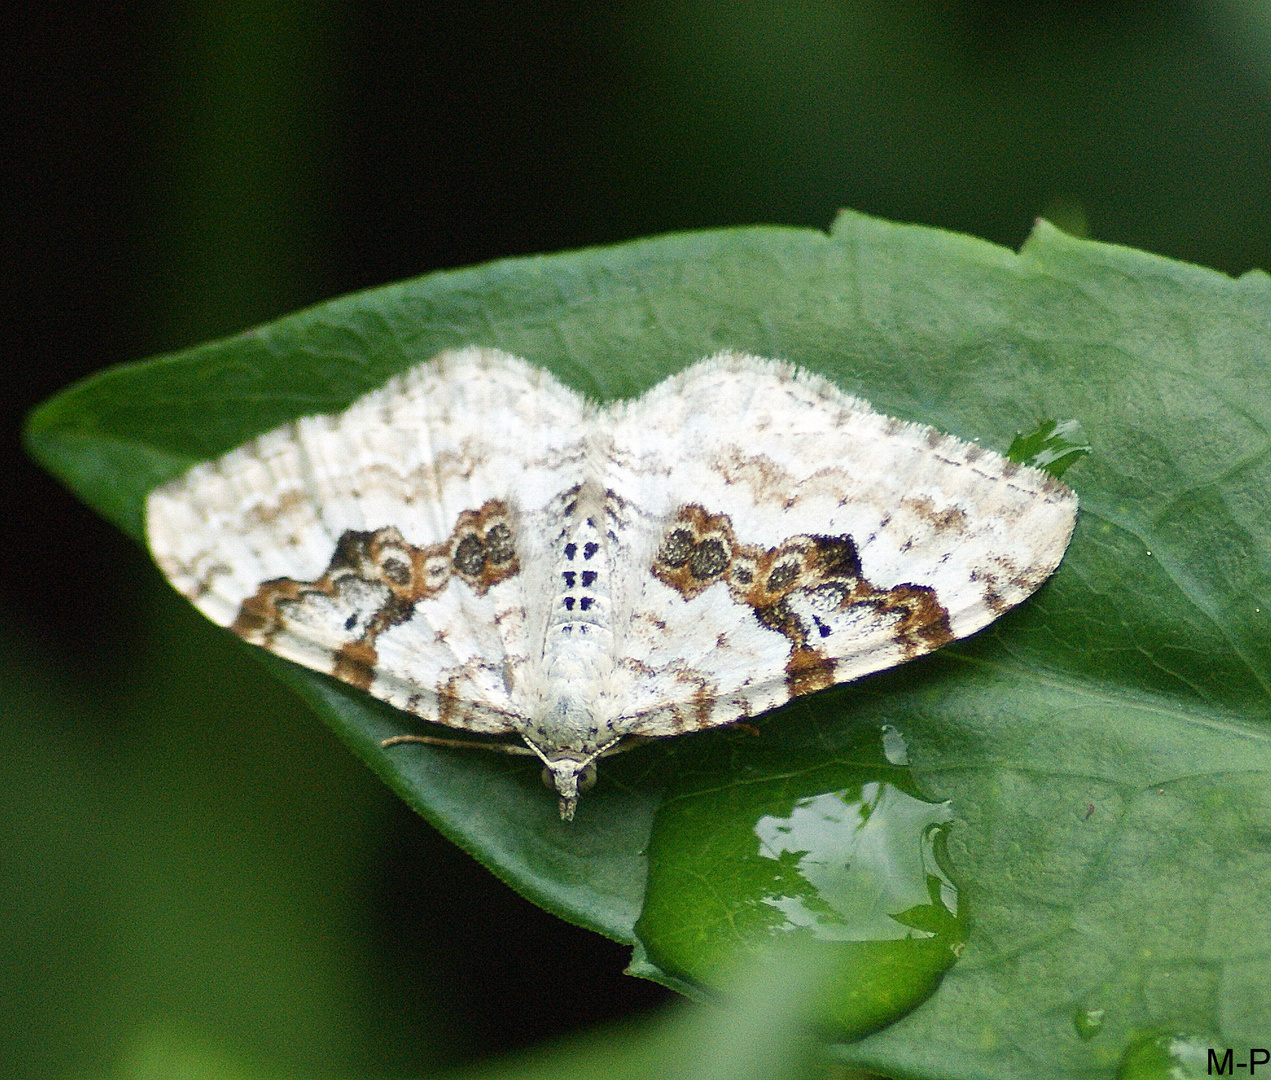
<point>570,776</point>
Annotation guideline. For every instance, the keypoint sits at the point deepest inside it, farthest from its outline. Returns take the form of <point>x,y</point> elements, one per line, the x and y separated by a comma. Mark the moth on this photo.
<point>483,547</point>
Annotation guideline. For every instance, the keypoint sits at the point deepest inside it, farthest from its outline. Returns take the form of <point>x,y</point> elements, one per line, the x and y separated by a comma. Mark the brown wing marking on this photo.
<point>380,577</point>
<point>700,549</point>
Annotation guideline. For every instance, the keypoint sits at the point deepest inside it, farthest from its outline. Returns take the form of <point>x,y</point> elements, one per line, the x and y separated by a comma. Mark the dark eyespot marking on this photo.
<point>589,549</point>
<point>396,571</point>
<point>589,579</point>
<point>569,603</point>
<point>586,602</point>
<point>782,575</point>
<point>677,549</point>
<point>350,622</point>
<point>570,576</point>
<point>709,559</point>
<point>469,555</point>
<point>822,629</point>
<point>571,550</point>
<point>498,544</point>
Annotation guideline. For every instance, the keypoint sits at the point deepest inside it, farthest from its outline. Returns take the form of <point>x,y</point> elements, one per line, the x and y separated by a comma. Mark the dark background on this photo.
<point>190,866</point>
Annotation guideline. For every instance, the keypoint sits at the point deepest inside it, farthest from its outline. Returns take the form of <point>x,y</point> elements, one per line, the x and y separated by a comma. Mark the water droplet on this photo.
<point>895,749</point>
<point>1088,1022</point>
<point>856,864</point>
<point>837,853</point>
<point>1167,1057</point>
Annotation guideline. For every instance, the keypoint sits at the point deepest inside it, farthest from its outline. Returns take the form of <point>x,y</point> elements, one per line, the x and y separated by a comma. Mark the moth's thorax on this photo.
<point>578,649</point>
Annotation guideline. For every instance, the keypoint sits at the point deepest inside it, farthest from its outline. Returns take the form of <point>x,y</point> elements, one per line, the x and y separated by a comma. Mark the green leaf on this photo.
<point>1104,751</point>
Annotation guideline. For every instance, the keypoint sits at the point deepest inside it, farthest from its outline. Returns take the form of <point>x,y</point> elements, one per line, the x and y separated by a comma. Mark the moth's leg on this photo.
<point>462,744</point>
<point>629,742</point>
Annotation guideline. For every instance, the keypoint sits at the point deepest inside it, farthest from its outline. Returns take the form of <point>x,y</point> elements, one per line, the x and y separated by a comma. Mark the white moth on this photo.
<point>479,545</point>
